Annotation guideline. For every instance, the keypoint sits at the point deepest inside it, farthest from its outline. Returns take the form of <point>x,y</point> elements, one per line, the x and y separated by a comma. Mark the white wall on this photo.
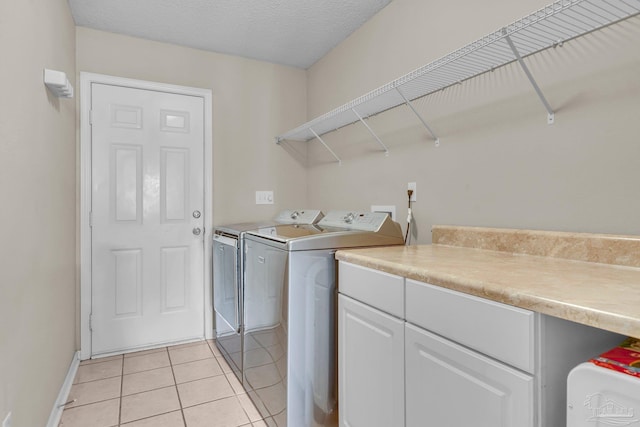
<point>499,164</point>
<point>252,102</point>
<point>37,217</point>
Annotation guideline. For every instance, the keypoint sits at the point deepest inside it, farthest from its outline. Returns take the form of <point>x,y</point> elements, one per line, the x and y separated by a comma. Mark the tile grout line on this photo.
<point>245,392</point>
<point>121,389</point>
<point>215,359</point>
<point>175,384</point>
<point>92,365</point>
<point>233,389</point>
<point>166,349</point>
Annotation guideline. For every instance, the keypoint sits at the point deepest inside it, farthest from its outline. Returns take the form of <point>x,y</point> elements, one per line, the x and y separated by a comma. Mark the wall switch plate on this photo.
<point>412,186</point>
<point>7,420</point>
<point>388,209</point>
<point>264,197</point>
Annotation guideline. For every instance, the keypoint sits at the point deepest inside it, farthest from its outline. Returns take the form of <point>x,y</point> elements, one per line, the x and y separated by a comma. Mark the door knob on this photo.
<point>197,231</point>
<point>196,214</point>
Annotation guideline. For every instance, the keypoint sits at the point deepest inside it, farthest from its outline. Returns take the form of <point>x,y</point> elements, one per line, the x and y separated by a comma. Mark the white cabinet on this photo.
<point>371,366</point>
<point>413,354</point>
<point>501,331</point>
<point>450,385</point>
<point>381,290</point>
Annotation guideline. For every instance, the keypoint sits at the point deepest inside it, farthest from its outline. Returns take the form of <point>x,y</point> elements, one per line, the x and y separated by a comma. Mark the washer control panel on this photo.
<point>366,221</point>
<point>299,216</point>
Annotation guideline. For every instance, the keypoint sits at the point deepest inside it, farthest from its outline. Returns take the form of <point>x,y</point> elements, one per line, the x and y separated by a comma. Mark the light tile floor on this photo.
<point>189,385</point>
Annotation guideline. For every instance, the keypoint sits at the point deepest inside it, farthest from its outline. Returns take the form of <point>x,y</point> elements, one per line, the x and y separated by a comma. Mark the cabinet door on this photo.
<point>450,385</point>
<point>371,366</point>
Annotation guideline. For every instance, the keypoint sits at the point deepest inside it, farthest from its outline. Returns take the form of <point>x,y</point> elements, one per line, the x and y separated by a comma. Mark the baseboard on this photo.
<point>58,406</point>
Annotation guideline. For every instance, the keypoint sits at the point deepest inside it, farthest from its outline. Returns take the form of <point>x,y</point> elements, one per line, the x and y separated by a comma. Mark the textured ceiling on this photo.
<point>288,32</point>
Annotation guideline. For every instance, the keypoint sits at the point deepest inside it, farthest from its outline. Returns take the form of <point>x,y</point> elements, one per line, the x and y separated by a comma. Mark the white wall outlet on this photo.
<point>7,420</point>
<point>412,186</point>
<point>388,209</point>
<point>264,197</point>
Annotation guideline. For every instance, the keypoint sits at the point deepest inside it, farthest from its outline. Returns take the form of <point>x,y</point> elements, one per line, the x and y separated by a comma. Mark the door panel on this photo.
<point>175,278</point>
<point>128,278</point>
<point>174,173</point>
<point>126,175</point>
<point>371,364</point>
<point>147,180</point>
<point>450,385</point>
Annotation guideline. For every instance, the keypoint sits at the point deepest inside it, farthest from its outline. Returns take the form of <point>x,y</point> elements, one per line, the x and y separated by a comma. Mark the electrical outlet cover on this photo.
<point>264,197</point>
<point>389,209</point>
<point>414,187</point>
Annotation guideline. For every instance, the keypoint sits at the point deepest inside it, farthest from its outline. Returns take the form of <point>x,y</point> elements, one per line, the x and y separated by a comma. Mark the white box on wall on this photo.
<point>390,209</point>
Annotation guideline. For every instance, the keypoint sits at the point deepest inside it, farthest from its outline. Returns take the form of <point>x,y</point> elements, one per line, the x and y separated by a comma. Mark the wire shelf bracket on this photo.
<point>550,114</point>
<point>384,147</point>
<point>424,123</point>
<point>550,26</point>
<point>326,146</point>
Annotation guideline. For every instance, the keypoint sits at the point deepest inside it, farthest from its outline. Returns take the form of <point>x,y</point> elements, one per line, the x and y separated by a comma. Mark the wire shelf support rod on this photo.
<point>547,106</point>
<point>326,146</point>
<point>426,125</point>
<point>384,147</point>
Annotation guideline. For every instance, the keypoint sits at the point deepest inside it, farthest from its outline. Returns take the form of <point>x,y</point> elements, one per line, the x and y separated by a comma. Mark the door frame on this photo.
<point>86,80</point>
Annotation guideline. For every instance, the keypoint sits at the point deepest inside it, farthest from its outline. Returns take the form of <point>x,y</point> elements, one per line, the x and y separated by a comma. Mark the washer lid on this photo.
<point>299,216</point>
<point>339,229</point>
<point>287,216</point>
<point>237,229</point>
<point>353,220</point>
<point>284,233</point>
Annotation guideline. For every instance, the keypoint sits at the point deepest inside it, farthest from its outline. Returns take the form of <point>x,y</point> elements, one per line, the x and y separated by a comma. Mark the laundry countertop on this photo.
<point>593,279</point>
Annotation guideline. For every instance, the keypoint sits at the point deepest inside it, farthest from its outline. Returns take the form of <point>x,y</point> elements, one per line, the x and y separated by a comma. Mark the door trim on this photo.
<point>86,80</point>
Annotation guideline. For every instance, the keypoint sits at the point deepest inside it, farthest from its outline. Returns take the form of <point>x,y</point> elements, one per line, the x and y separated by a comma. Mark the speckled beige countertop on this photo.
<point>587,278</point>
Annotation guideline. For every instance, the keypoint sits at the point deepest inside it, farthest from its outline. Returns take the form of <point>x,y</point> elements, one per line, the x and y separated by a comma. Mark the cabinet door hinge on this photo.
<point>90,218</point>
<point>90,117</point>
<point>91,322</point>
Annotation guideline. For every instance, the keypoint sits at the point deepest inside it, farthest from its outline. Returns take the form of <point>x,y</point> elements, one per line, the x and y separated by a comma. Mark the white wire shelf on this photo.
<point>550,26</point>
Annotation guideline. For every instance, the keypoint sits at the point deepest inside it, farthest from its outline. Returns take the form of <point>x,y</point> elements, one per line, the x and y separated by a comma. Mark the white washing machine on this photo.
<point>602,397</point>
<point>228,280</point>
<point>290,313</point>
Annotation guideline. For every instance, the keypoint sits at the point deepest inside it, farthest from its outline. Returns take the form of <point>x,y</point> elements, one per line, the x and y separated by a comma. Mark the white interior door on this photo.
<point>147,219</point>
